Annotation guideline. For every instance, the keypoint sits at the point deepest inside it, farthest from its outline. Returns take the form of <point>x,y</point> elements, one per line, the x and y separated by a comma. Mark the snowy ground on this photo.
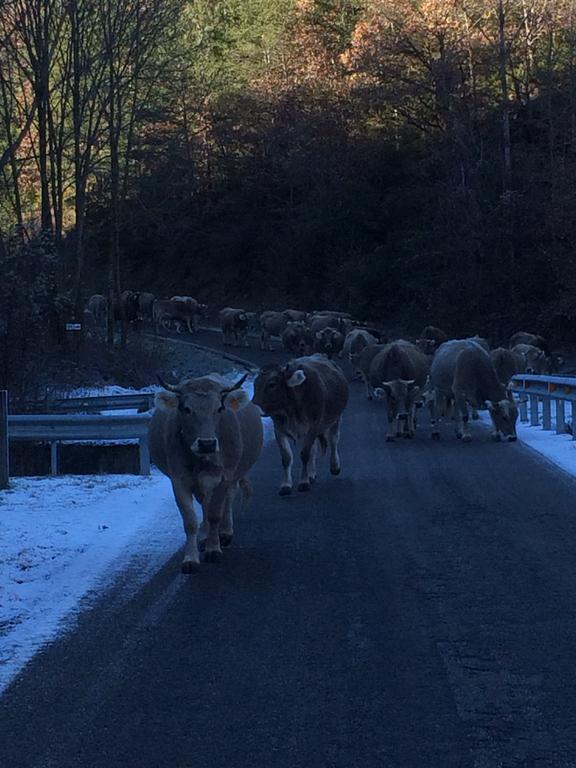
<point>64,539</point>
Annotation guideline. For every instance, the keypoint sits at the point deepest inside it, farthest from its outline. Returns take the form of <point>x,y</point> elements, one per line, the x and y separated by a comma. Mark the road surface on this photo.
<point>417,611</point>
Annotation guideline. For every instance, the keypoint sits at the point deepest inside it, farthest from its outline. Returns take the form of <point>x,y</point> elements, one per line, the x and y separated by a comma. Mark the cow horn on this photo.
<point>169,387</point>
<point>237,385</point>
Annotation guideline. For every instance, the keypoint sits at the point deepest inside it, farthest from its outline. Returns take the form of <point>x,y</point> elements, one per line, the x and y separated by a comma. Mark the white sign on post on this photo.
<point>73,326</point>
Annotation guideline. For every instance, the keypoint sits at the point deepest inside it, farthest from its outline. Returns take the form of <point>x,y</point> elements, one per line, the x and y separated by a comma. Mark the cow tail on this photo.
<point>323,443</point>
<point>246,489</point>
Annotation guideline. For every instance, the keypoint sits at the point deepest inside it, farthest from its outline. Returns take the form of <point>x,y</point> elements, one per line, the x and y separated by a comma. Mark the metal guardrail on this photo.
<point>57,428</point>
<point>557,390</point>
<point>140,401</point>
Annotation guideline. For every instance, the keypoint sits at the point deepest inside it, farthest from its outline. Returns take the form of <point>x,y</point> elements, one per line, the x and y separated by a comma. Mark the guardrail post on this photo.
<point>534,415</point>
<point>523,411</point>
<point>546,413</point>
<point>144,455</point>
<point>560,418</point>
<point>4,456</point>
<point>53,458</point>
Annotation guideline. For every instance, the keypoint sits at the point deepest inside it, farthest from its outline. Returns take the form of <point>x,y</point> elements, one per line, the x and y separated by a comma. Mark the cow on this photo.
<point>130,305</point>
<point>295,315</point>
<point>354,343</point>
<point>319,322</point>
<point>166,312</point>
<point>462,374</point>
<point>305,399</point>
<point>524,337</point>
<point>329,342</point>
<point>235,324</point>
<point>432,333</point>
<point>553,362</point>
<point>98,306</point>
<point>297,339</point>
<point>506,363</point>
<point>271,324</point>
<point>145,306</point>
<point>205,435</point>
<point>191,310</point>
<point>398,375</point>
<point>363,364</point>
<point>535,360</point>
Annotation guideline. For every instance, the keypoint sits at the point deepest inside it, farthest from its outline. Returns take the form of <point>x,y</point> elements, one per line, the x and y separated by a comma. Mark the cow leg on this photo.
<point>333,440</point>
<point>227,524</point>
<point>434,408</point>
<point>185,502</point>
<point>369,392</point>
<point>306,454</point>
<point>287,461</point>
<point>214,513</point>
<point>462,417</point>
<point>313,460</point>
<point>263,341</point>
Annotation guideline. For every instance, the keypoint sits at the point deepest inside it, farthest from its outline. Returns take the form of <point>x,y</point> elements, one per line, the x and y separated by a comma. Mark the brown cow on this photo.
<point>398,374</point>
<point>205,435</point>
<point>305,399</point>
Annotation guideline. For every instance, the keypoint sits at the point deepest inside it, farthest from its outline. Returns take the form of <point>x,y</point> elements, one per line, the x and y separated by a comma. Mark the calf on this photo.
<point>305,399</point>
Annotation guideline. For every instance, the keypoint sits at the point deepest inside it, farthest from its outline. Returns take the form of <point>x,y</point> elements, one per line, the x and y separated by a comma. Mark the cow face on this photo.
<point>198,405</point>
<point>504,415</point>
<point>272,388</point>
<point>535,361</point>
<point>329,341</point>
<point>297,338</point>
<point>399,397</point>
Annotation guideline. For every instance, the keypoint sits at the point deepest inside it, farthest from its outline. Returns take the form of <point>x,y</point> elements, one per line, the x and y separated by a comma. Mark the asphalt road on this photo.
<point>417,611</point>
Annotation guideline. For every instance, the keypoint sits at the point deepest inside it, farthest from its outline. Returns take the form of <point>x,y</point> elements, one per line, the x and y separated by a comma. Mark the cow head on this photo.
<point>198,404</point>
<point>535,361</point>
<point>273,385</point>
<point>329,341</point>
<point>203,309</point>
<point>504,415</point>
<point>297,338</point>
<point>399,396</point>
<point>427,346</point>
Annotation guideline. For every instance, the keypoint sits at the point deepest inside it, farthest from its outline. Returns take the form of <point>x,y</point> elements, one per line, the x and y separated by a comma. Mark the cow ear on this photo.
<point>297,379</point>
<point>236,400</point>
<point>379,393</point>
<point>166,401</point>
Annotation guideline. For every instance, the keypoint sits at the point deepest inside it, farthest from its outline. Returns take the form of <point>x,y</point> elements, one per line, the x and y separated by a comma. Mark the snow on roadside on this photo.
<point>60,538</point>
<point>65,539</point>
<point>559,449</point>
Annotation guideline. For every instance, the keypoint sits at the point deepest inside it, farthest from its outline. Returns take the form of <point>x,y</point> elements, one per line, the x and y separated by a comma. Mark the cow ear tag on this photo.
<point>297,379</point>
<point>166,401</point>
<point>236,400</point>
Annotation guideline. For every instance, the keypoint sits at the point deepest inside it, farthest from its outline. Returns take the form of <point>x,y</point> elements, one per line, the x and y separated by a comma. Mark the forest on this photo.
<point>408,161</point>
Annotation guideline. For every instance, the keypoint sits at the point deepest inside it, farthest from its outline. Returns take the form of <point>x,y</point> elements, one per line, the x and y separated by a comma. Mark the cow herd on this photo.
<point>205,434</point>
